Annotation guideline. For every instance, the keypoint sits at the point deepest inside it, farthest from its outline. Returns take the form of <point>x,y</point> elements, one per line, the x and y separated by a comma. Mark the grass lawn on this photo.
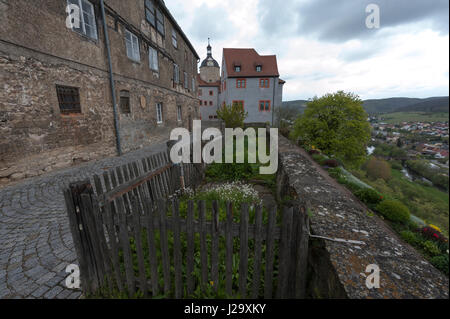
<point>399,117</point>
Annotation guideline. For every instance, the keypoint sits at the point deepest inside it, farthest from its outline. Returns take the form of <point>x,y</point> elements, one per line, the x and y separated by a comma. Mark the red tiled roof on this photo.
<point>202,83</point>
<point>248,59</point>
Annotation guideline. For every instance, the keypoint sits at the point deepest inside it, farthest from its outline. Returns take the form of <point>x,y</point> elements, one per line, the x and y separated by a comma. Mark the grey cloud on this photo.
<point>345,20</point>
<point>211,22</point>
<point>277,16</point>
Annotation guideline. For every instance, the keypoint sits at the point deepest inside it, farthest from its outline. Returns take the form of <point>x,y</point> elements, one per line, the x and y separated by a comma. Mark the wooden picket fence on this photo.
<point>132,239</point>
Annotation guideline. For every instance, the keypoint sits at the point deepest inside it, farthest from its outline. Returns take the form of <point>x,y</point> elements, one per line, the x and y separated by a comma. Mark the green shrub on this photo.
<point>411,237</point>
<point>394,211</point>
<point>396,165</point>
<point>336,173</point>
<point>233,115</point>
<point>331,163</point>
<point>431,248</point>
<point>318,158</point>
<point>369,196</point>
<point>441,263</point>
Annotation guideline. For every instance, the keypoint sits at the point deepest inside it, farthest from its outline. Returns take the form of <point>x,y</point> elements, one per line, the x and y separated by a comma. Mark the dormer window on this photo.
<point>237,68</point>
<point>258,68</point>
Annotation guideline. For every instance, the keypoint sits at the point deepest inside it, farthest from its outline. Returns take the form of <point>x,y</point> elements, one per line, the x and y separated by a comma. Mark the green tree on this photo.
<point>378,168</point>
<point>336,124</point>
<point>233,115</point>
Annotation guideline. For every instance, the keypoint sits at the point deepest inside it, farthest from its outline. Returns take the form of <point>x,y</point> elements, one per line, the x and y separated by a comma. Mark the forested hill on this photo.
<point>389,105</point>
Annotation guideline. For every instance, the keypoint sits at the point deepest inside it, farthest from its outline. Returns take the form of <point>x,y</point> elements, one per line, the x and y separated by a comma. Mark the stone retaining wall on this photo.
<point>337,269</point>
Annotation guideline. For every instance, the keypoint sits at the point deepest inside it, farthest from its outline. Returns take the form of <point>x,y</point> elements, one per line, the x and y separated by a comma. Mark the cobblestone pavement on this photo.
<point>35,240</point>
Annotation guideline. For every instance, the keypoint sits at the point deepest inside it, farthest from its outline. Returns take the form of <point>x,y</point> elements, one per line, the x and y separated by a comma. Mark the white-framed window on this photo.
<point>132,44</point>
<point>176,73</point>
<point>174,38</point>
<point>179,118</point>
<point>186,81</point>
<point>87,23</point>
<point>159,113</point>
<point>258,68</point>
<point>237,69</point>
<point>193,84</point>
<point>153,59</point>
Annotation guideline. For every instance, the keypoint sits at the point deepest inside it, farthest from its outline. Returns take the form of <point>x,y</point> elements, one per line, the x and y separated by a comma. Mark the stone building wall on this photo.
<point>38,52</point>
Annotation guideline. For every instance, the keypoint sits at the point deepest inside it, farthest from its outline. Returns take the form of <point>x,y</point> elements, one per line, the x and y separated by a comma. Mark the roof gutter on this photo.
<point>111,80</point>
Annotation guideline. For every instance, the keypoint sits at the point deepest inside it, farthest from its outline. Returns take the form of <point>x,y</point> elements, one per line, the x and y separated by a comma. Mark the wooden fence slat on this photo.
<point>257,258</point>
<point>177,249</point>
<point>283,269</point>
<point>215,246</point>
<point>129,272</point>
<point>151,241</point>
<point>140,252</point>
<point>98,263</point>
<point>97,215</point>
<point>113,243</point>
<point>164,245</point>
<point>203,249</point>
<point>270,245</point>
<point>243,254</point>
<point>74,225</point>
<point>190,248</point>
<point>229,250</point>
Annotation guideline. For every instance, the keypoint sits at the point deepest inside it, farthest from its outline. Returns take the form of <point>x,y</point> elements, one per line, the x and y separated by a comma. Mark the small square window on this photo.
<point>237,69</point>
<point>210,103</point>
<point>258,68</point>
<point>69,99</point>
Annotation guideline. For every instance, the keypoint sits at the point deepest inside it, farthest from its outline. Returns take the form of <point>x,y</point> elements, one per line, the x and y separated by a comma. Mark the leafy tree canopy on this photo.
<point>336,124</point>
<point>233,115</point>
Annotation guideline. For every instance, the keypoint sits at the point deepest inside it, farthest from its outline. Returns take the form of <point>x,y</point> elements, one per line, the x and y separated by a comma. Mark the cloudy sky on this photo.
<point>324,45</point>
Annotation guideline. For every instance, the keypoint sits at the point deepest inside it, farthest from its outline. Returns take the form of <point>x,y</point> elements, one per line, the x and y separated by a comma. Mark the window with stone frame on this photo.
<point>159,113</point>
<point>153,59</point>
<point>86,24</point>
<point>174,38</point>
<point>69,99</point>
<point>186,80</point>
<point>125,105</point>
<point>176,74</point>
<point>150,13</point>
<point>160,22</point>
<point>179,114</point>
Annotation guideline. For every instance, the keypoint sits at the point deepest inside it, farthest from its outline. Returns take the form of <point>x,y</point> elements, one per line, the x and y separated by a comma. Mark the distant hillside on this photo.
<point>431,105</point>
<point>396,104</point>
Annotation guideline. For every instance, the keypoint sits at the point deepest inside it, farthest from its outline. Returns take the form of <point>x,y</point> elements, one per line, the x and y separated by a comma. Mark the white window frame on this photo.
<point>90,12</point>
<point>186,81</point>
<point>174,38</point>
<point>159,113</point>
<point>179,113</point>
<point>160,22</point>
<point>193,84</point>
<point>258,68</point>
<point>237,69</point>
<point>153,59</point>
<point>132,46</point>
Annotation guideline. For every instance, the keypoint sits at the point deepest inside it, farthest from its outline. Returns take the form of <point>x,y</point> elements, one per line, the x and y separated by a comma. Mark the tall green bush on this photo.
<point>394,211</point>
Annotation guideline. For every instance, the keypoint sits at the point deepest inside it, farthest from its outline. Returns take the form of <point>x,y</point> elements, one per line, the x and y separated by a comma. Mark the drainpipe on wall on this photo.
<point>111,80</point>
<point>273,109</point>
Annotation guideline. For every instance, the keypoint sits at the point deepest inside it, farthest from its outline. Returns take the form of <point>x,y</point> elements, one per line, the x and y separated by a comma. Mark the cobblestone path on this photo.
<point>35,240</point>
